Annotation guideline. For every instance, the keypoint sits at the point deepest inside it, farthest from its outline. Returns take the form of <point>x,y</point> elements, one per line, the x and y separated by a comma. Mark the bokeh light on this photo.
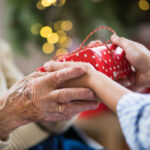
<point>144,5</point>
<point>66,44</point>
<point>62,36</point>
<point>45,31</point>
<point>47,3</point>
<point>66,25</point>
<point>35,28</point>
<point>48,48</point>
<point>59,37</point>
<point>61,51</point>
<point>53,38</point>
<point>57,25</point>
<point>52,1</point>
<point>39,6</point>
<point>59,3</point>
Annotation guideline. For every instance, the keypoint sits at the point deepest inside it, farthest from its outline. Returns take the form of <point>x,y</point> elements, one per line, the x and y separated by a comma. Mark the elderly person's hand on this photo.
<point>38,97</point>
<point>139,57</point>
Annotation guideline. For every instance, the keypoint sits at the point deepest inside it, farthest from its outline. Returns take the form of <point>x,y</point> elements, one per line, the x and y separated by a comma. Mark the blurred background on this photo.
<point>37,30</point>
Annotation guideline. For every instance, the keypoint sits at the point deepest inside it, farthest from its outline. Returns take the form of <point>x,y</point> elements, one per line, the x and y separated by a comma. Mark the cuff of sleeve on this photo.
<point>133,112</point>
<point>3,144</point>
<point>128,100</point>
<point>26,137</point>
<point>132,102</point>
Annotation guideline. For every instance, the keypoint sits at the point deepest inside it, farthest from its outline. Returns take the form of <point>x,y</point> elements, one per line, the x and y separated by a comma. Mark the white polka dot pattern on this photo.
<point>108,61</point>
<point>77,54</point>
<point>85,55</point>
<point>93,56</point>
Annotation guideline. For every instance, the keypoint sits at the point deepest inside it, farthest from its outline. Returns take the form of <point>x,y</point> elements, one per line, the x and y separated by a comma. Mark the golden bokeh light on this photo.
<point>47,3</point>
<point>48,48</point>
<point>35,29</point>
<point>57,25</point>
<point>66,25</point>
<point>61,51</point>
<point>144,5</point>
<point>59,3</point>
<point>39,6</point>
<point>53,38</point>
<point>62,36</point>
<point>67,43</point>
<point>45,31</point>
<point>52,1</point>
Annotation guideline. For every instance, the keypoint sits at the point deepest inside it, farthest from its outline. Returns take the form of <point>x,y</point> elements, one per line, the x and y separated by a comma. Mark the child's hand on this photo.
<point>139,57</point>
<point>85,81</point>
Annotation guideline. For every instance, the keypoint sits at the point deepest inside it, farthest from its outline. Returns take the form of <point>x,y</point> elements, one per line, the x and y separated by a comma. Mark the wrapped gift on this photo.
<point>108,59</point>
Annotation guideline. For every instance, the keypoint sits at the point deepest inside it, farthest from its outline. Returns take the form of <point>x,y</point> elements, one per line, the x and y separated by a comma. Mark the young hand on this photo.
<point>84,81</point>
<point>139,57</point>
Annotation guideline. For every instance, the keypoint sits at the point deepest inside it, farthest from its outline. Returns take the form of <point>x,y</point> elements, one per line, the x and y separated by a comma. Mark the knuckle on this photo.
<point>30,91</point>
<point>56,78</point>
<point>63,110</point>
<point>60,96</point>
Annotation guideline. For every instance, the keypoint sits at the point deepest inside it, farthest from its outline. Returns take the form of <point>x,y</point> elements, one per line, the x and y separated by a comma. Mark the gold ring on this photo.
<point>60,108</point>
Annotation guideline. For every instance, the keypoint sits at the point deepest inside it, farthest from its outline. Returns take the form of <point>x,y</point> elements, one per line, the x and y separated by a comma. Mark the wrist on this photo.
<point>107,90</point>
<point>90,76</point>
<point>10,119</point>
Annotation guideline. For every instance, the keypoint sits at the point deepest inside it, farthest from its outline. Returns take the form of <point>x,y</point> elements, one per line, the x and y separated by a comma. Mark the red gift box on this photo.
<point>105,57</point>
<point>108,59</point>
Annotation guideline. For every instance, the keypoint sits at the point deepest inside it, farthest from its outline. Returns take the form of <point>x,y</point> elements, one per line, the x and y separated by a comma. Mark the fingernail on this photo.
<point>46,65</point>
<point>90,94</point>
<point>81,70</point>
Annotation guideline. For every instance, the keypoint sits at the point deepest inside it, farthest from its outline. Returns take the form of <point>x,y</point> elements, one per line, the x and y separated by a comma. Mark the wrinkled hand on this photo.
<point>139,57</point>
<point>79,82</point>
<point>38,97</point>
